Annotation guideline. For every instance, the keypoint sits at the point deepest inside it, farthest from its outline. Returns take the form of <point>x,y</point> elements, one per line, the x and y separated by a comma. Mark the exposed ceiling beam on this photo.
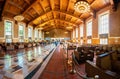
<point>58,20</point>
<point>41,5</point>
<point>61,6</point>
<point>6,3</point>
<point>61,2</point>
<point>1,8</point>
<point>11,12</point>
<point>27,1</point>
<point>14,4</point>
<point>58,12</point>
<point>68,8</point>
<point>52,4</point>
<point>34,1</point>
<point>30,14</point>
<point>68,4</point>
<point>39,16</point>
<point>48,28</point>
<point>36,10</point>
<point>68,14</point>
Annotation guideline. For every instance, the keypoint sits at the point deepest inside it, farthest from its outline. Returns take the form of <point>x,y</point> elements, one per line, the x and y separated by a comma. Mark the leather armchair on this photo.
<point>104,66</point>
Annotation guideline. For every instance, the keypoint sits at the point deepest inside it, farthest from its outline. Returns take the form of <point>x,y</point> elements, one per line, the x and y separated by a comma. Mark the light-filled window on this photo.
<point>103,41</point>
<point>73,33</point>
<point>40,34</point>
<point>104,27</point>
<point>81,31</point>
<point>8,31</point>
<point>30,33</point>
<point>89,31</point>
<point>81,41</point>
<point>77,32</point>
<point>89,28</point>
<point>21,33</point>
<point>89,41</point>
<point>36,34</point>
<point>104,23</point>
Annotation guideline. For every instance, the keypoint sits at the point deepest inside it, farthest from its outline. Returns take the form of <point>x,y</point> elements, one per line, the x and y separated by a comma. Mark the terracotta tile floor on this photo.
<point>57,67</point>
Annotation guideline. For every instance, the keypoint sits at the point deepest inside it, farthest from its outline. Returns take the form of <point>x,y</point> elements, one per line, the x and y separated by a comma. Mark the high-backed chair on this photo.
<point>103,67</point>
<point>115,62</point>
<point>79,56</point>
<point>84,53</point>
<point>104,61</point>
<point>9,46</point>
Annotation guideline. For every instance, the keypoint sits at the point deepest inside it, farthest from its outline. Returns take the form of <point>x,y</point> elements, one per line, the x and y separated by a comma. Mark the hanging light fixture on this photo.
<point>19,18</point>
<point>47,32</point>
<point>69,27</point>
<point>82,6</point>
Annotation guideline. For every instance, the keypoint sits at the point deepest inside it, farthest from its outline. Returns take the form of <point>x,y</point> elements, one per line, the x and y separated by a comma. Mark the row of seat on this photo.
<point>103,49</point>
<point>84,53</point>
<point>107,66</point>
<point>13,46</point>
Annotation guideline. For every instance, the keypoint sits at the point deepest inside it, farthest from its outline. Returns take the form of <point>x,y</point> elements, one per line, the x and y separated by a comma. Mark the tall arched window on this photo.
<point>104,27</point>
<point>76,32</point>
<point>36,34</point>
<point>30,34</point>
<point>73,33</point>
<point>40,34</point>
<point>81,34</point>
<point>89,31</point>
<point>8,31</point>
<point>21,33</point>
<point>81,30</point>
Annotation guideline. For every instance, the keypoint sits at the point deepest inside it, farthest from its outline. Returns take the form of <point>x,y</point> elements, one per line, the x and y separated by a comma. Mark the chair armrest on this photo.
<point>92,70</point>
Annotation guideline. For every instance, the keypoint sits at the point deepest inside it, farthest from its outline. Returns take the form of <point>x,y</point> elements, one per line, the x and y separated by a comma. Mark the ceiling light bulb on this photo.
<point>82,6</point>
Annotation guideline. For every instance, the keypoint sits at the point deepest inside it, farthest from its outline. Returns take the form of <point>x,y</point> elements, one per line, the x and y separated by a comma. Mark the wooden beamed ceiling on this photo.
<point>50,14</point>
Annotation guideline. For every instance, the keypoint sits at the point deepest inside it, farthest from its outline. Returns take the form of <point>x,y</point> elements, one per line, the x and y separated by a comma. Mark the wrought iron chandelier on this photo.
<point>82,6</point>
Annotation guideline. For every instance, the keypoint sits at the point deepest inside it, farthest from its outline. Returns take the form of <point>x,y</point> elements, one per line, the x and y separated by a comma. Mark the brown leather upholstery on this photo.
<point>84,53</point>
<point>107,66</point>
<point>92,70</point>
<point>104,62</point>
<point>80,57</point>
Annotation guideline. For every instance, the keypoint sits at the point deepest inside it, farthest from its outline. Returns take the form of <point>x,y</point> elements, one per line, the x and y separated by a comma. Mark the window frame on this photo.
<point>23,31</point>
<point>90,21</point>
<point>73,33</point>
<point>76,32</point>
<point>99,17</point>
<point>12,30</point>
<point>36,34</point>
<point>31,36</point>
<point>82,30</point>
